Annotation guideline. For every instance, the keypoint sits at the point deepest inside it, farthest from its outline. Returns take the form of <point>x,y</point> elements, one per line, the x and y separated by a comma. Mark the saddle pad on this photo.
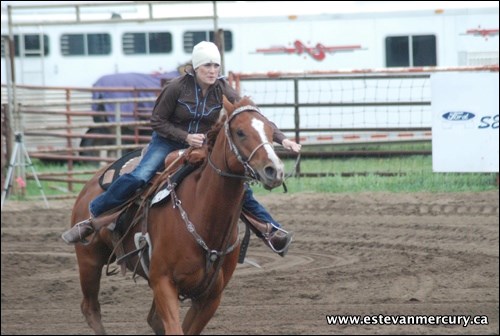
<point>121,166</point>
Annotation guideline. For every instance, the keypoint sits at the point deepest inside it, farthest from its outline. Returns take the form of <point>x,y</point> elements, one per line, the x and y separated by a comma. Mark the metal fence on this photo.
<point>323,111</point>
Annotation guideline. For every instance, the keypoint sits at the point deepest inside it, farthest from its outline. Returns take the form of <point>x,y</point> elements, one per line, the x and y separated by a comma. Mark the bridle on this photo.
<point>212,256</point>
<point>250,173</point>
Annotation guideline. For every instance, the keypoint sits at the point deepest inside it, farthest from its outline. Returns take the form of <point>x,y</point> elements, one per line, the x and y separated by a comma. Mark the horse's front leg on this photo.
<point>155,321</point>
<point>203,309</point>
<point>167,303</point>
<point>200,313</point>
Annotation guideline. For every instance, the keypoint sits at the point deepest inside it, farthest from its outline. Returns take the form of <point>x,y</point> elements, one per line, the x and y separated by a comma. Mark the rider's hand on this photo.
<point>195,140</point>
<point>291,145</point>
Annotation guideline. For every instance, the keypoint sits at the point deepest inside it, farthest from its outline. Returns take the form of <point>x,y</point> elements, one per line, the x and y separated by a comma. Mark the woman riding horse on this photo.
<point>193,235</point>
<point>185,110</point>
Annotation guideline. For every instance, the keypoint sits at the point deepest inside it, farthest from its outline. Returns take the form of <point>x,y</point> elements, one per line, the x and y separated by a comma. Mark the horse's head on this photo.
<point>250,137</point>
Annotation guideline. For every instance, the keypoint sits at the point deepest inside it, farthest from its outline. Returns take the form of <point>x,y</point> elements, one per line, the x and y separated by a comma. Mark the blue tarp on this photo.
<point>133,80</point>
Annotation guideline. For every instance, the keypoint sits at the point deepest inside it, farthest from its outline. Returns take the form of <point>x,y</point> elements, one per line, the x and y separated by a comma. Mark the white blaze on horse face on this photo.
<point>258,125</point>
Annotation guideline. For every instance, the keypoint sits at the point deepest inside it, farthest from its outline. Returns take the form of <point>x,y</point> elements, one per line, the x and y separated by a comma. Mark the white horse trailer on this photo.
<point>73,45</point>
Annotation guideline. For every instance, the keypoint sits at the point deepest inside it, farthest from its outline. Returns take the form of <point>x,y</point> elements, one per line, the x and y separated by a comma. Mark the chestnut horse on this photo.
<point>194,235</point>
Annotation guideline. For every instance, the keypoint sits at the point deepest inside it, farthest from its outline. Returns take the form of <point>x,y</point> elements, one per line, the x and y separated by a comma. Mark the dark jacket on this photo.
<point>181,109</point>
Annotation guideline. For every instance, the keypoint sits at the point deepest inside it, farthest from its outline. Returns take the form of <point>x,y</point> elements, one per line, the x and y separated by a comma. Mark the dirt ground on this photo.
<point>373,254</point>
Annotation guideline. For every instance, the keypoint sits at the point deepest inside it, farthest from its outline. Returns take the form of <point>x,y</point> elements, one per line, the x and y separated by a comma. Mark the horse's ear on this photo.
<point>222,115</point>
<point>228,106</point>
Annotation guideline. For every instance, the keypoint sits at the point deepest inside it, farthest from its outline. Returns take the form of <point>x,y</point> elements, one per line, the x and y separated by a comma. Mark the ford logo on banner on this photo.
<point>458,116</point>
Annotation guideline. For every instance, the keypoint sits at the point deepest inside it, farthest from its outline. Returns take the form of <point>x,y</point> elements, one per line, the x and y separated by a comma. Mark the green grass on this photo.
<point>408,146</point>
<point>50,188</point>
<point>406,183</point>
<point>411,174</point>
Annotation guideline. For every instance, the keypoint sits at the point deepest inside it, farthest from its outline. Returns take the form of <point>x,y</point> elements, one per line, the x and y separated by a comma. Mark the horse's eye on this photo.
<point>240,133</point>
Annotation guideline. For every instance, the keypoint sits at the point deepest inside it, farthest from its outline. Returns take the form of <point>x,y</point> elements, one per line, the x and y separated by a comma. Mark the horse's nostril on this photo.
<point>270,172</point>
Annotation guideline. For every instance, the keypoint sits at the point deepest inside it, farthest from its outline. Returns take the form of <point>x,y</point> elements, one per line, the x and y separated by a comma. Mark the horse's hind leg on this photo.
<point>90,264</point>
<point>154,320</point>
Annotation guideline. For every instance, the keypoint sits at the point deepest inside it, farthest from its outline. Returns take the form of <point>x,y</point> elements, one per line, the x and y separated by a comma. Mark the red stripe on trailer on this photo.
<point>379,136</point>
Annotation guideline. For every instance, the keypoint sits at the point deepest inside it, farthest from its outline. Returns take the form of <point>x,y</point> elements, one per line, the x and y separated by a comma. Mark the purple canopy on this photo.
<point>134,80</point>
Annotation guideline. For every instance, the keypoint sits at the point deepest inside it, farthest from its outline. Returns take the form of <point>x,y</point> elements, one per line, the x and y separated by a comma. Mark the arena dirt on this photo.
<point>368,254</point>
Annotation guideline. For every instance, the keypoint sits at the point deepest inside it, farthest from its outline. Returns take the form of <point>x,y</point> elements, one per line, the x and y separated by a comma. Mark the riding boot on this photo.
<point>275,238</point>
<point>78,232</point>
<point>279,241</point>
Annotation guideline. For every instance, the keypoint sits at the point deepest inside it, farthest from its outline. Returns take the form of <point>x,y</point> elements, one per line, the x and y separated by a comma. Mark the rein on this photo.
<point>293,173</point>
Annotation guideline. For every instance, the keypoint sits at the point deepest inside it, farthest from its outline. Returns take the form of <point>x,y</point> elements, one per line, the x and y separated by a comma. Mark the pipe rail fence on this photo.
<point>333,114</point>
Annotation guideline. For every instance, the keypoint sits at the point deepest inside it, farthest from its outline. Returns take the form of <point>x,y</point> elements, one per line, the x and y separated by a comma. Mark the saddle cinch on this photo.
<point>179,164</point>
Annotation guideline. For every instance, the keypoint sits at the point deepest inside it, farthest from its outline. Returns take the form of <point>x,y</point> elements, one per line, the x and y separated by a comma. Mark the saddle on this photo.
<point>129,161</point>
<point>135,211</point>
<point>123,165</point>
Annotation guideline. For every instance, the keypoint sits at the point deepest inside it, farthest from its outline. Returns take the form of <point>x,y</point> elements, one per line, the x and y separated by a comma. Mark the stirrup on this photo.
<point>279,237</point>
<point>70,236</point>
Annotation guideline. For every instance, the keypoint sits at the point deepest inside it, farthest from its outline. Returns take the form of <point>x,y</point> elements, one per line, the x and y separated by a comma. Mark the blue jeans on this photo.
<point>255,208</point>
<point>127,184</point>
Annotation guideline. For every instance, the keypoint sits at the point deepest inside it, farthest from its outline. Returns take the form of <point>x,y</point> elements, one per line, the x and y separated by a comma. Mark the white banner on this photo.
<point>465,122</point>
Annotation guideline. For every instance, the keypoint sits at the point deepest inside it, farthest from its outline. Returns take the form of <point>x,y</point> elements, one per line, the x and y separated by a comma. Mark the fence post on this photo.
<point>297,119</point>
<point>69,141</point>
<point>118,130</point>
<point>6,140</point>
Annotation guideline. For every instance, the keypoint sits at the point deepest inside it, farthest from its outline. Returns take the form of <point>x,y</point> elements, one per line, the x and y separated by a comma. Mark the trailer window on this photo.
<point>31,46</point>
<point>85,44</point>
<point>409,51</point>
<point>192,38</point>
<point>147,43</point>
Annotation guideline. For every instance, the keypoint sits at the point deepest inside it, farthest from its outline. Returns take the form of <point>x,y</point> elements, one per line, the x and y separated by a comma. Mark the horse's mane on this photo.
<point>212,134</point>
<point>244,101</point>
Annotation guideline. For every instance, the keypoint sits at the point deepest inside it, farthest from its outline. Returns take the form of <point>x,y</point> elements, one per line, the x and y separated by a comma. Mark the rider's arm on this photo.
<point>165,106</point>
